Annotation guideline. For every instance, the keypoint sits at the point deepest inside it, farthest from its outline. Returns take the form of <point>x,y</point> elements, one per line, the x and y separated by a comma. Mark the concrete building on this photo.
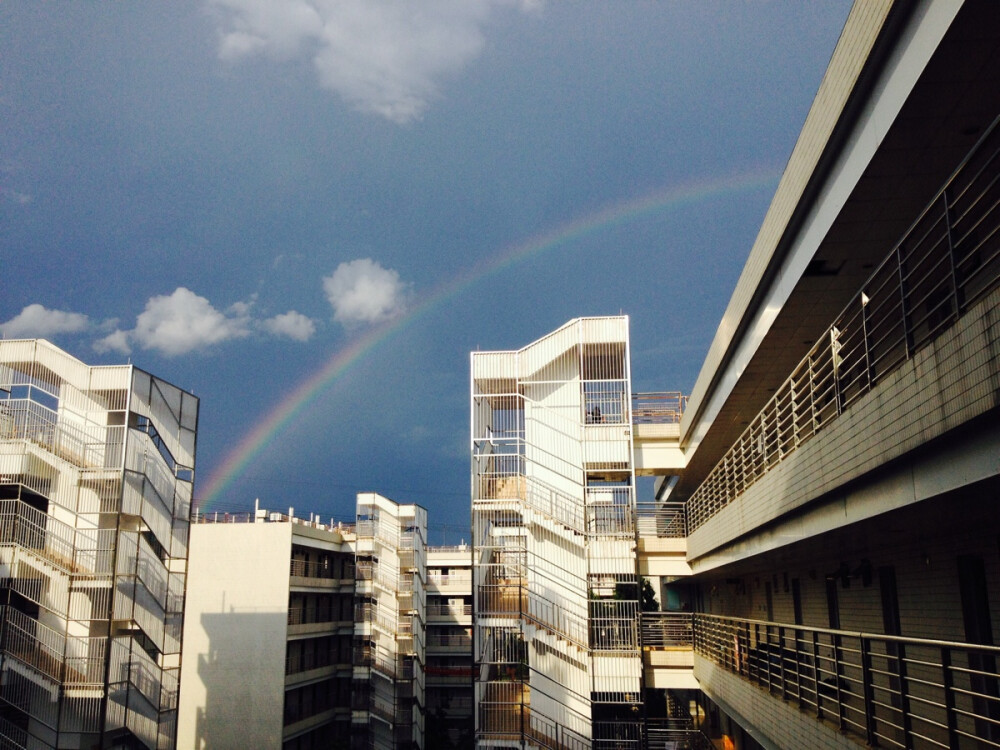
<point>825,527</point>
<point>269,633</point>
<point>304,635</point>
<point>389,629</point>
<point>448,670</point>
<point>96,469</point>
<point>556,609</point>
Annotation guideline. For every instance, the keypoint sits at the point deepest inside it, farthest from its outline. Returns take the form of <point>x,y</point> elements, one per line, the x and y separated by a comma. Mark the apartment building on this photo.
<point>389,631</point>
<point>96,469</point>
<point>824,537</point>
<point>304,634</point>
<point>269,632</point>
<point>556,604</point>
<point>448,669</point>
<point>842,438</point>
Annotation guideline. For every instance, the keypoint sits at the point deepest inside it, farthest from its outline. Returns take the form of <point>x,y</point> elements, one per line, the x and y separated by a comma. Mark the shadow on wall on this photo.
<point>243,676</point>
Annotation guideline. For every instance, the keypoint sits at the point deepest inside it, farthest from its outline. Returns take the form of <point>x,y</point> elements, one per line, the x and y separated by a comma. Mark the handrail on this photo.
<point>666,629</point>
<point>945,262</point>
<point>28,420</point>
<point>65,547</point>
<point>889,691</point>
<point>665,407</point>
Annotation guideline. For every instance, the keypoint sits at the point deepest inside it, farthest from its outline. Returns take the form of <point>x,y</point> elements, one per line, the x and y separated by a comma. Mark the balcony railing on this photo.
<point>946,262</point>
<point>664,520</point>
<point>449,640</point>
<point>312,616</point>
<point>667,629</point>
<point>888,691</point>
<point>306,569</point>
<point>666,407</point>
<point>453,579</point>
<point>448,610</point>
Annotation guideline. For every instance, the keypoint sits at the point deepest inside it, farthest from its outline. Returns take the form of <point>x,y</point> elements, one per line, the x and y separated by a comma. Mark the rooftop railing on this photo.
<point>946,262</point>
<point>199,515</point>
<point>888,691</point>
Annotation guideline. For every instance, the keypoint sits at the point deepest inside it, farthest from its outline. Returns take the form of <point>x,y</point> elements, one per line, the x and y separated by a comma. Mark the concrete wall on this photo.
<point>235,626</point>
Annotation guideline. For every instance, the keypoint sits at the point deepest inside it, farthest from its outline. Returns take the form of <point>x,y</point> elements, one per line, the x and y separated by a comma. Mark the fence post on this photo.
<point>949,696</point>
<point>866,683</point>
<point>816,683</point>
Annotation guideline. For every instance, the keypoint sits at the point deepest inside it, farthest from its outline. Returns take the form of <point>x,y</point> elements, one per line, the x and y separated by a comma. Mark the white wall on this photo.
<point>235,625</point>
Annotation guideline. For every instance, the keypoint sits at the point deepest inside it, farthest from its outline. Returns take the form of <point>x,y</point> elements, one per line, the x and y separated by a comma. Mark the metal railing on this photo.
<point>313,569</point>
<point>664,520</point>
<point>667,629</point>
<point>448,610</point>
<point>674,734</point>
<point>313,615</point>
<point>450,640</point>
<point>86,446</point>
<point>666,407</point>
<point>200,515</point>
<point>947,261</point>
<point>889,691</point>
<point>298,663</point>
<point>450,579</point>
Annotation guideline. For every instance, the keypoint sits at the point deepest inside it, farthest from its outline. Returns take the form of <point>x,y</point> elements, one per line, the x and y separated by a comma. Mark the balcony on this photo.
<point>454,583</point>
<point>656,431</point>
<point>313,575</point>
<point>449,643</point>
<point>667,640</point>
<point>886,691</point>
<point>662,531</point>
<point>309,620</point>
<point>455,614</point>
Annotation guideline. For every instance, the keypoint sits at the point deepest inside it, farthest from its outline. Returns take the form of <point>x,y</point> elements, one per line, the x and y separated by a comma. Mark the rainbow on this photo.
<point>271,424</point>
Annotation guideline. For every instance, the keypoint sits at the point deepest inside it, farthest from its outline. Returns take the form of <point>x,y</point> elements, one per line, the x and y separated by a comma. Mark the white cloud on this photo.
<point>36,320</point>
<point>114,342</point>
<point>179,323</point>
<point>362,291</point>
<point>292,324</point>
<point>384,58</point>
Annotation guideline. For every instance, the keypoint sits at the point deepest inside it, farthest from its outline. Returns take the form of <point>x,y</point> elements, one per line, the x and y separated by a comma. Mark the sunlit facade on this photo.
<point>556,652</point>
<point>96,470</point>
<point>280,588</point>
<point>823,538</point>
<point>389,630</point>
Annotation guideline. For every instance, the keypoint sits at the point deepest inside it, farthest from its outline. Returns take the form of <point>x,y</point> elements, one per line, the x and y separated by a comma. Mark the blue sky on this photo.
<point>230,193</point>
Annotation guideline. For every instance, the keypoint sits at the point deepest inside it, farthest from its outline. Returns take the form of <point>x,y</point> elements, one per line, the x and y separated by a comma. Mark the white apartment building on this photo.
<point>389,630</point>
<point>305,635</point>
<point>96,469</point>
<point>842,440</point>
<point>448,669</point>
<point>268,632</point>
<point>556,604</point>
